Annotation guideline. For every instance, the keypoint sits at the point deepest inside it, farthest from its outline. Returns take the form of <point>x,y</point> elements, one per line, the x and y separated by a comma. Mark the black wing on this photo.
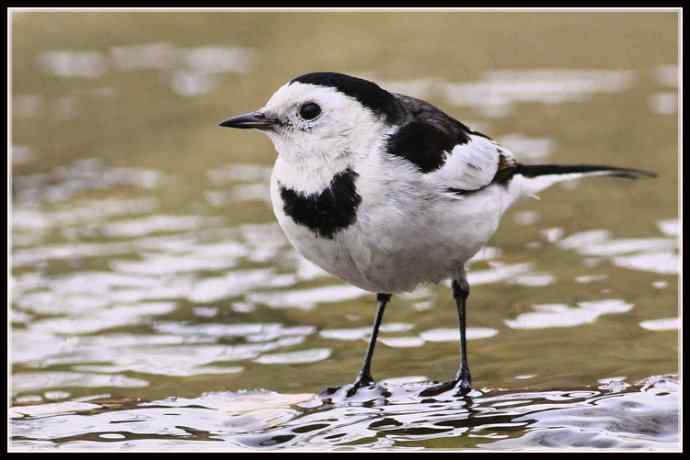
<point>434,141</point>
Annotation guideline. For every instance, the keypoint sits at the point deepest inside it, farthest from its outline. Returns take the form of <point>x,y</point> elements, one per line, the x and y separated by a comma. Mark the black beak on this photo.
<point>255,120</point>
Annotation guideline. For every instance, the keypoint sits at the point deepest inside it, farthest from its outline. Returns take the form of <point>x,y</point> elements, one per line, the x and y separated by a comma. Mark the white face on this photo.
<point>318,124</point>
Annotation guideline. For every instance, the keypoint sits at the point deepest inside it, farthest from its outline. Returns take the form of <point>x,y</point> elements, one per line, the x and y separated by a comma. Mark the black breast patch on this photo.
<point>327,212</point>
<point>424,145</point>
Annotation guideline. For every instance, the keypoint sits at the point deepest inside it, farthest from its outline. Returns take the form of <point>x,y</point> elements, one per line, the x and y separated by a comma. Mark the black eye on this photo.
<point>309,111</point>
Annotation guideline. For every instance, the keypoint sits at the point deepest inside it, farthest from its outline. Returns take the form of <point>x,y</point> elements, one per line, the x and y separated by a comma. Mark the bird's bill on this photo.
<point>255,120</point>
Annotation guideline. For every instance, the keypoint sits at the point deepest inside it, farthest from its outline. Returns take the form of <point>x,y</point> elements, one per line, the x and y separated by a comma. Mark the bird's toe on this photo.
<point>361,389</point>
<point>457,387</point>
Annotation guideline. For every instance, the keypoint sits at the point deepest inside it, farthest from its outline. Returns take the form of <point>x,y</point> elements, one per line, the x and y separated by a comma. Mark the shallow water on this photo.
<point>613,415</point>
<point>157,305</point>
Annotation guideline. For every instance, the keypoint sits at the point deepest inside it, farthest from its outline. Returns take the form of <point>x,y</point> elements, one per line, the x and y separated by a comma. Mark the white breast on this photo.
<point>406,232</point>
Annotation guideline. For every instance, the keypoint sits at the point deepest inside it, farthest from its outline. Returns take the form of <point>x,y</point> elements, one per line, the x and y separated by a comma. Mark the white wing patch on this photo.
<point>470,166</point>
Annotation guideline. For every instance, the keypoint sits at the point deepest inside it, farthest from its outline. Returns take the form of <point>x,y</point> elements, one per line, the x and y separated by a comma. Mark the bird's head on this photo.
<point>323,116</point>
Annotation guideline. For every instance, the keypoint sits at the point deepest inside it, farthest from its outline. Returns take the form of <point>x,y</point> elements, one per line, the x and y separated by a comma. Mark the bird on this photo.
<point>388,192</point>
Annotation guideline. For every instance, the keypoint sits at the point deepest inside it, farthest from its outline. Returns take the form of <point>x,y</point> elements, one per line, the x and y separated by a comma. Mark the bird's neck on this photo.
<point>309,176</point>
<point>309,167</point>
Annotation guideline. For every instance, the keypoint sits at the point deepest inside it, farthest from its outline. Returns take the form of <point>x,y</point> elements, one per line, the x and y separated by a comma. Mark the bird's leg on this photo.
<point>364,378</point>
<point>461,290</point>
<point>463,379</point>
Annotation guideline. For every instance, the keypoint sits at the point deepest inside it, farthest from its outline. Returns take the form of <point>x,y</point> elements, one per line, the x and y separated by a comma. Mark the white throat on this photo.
<point>310,165</point>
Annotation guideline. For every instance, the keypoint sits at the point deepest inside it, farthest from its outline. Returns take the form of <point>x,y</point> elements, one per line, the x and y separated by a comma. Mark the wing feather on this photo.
<point>448,152</point>
<point>474,165</point>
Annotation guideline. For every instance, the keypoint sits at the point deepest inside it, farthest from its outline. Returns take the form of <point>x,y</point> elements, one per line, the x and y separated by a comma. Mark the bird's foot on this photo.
<point>363,381</point>
<point>460,386</point>
<point>364,385</point>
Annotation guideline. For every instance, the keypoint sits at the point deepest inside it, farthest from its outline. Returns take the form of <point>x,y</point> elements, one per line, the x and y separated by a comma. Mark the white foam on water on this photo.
<point>175,360</point>
<point>103,319</point>
<point>561,315</point>
<point>56,395</point>
<point>191,71</point>
<point>218,60</point>
<point>307,299</point>
<point>151,224</point>
<point>667,75</point>
<point>663,103</point>
<point>534,279</point>
<point>235,283</point>
<point>663,324</point>
<point>21,154</point>
<point>485,253</point>
<point>269,420</point>
<point>295,357</point>
<point>355,333</point>
<point>52,409</point>
<point>421,88</point>
<point>526,217</point>
<point>665,262</point>
<point>396,327</point>
<point>583,239</point>
<point>499,91</point>
<point>553,234</point>
<point>402,342</point>
<point>657,255</point>
<point>32,381</point>
<point>494,275</point>
<point>189,83</point>
<point>239,172</point>
<point>669,227</point>
<point>158,56</point>
<point>585,279</point>
<point>624,246</point>
<point>205,312</point>
<point>26,105</point>
<point>71,64</point>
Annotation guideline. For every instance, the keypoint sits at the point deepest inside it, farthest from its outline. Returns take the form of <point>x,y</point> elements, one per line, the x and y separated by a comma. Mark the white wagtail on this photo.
<point>388,192</point>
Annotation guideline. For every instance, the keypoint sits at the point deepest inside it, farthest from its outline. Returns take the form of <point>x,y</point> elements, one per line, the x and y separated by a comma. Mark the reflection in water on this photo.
<point>495,95</point>
<point>307,299</point>
<point>21,154</point>
<point>295,357</point>
<point>661,262</point>
<point>556,315</point>
<point>669,227</point>
<point>664,324</point>
<point>80,177</point>
<point>658,255</point>
<point>663,103</point>
<point>26,105</point>
<point>84,64</point>
<point>616,415</point>
<point>667,75</point>
<point>191,71</point>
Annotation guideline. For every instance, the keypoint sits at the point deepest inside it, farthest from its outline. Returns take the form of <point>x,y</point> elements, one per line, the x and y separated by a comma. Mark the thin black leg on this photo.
<point>463,379</point>
<point>461,290</point>
<point>364,377</point>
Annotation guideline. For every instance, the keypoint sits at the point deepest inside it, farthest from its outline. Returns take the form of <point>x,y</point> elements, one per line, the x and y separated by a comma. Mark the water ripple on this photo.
<point>643,415</point>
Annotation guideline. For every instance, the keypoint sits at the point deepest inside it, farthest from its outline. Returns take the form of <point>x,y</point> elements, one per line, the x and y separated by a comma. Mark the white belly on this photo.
<point>404,235</point>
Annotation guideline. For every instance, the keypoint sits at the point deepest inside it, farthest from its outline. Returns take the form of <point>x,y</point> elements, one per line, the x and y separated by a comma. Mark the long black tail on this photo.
<point>543,170</point>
